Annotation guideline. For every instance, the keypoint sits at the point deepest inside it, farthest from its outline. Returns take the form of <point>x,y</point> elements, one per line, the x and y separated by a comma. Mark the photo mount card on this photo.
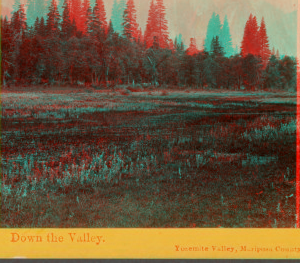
<point>148,129</point>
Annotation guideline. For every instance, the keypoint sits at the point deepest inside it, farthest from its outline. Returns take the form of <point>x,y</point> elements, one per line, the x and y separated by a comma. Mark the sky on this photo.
<point>191,17</point>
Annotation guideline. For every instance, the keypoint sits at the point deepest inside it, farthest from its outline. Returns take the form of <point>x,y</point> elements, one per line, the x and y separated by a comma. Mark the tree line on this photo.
<point>74,43</point>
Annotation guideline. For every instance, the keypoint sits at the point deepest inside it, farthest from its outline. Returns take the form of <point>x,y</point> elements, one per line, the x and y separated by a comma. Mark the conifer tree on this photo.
<point>255,48</point>
<point>151,26</point>
<point>251,42</point>
<point>53,20</point>
<point>80,21</point>
<point>86,15</point>
<point>16,6</point>
<point>179,39</point>
<point>130,24</point>
<point>213,30</point>
<point>18,21</point>
<point>216,49</point>
<point>265,52</point>
<point>115,19</point>
<point>192,50</point>
<point>225,39</point>
<point>162,24</point>
<point>121,9</point>
<point>66,25</point>
<point>218,26</point>
<point>47,4</point>
<point>94,27</point>
<point>6,50</point>
<point>100,14</point>
<point>19,28</point>
<point>246,42</point>
<point>42,31</point>
<point>36,26</point>
<point>76,12</point>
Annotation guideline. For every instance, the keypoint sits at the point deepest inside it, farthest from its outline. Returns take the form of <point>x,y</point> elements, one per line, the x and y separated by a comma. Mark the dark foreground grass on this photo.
<point>159,203</point>
<point>147,161</point>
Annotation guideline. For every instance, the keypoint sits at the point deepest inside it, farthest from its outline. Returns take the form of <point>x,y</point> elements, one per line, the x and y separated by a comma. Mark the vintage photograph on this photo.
<point>148,113</point>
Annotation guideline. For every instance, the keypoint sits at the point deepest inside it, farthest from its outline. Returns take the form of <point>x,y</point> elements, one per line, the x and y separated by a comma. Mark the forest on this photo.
<point>73,43</point>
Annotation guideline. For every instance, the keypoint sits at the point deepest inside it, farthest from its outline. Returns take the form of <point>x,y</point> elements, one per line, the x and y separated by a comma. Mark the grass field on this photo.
<point>155,158</point>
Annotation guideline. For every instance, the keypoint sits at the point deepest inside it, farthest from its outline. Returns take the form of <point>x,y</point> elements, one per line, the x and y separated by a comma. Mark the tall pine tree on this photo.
<point>250,42</point>
<point>86,15</point>
<point>76,13</point>
<point>130,24</point>
<point>121,9</point>
<point>162,24</point>
<point>213,30</point>
<point>255,49</point>
<point>95,29</point>
<point>225,39</point>
<point>53,20</point>
<point>19,21</point>
<point>100,14</point>
<point>151,26</point>
<point>246,42</point>
<point>265,52</point>
<point>66,25</point>
<point>19,29</point>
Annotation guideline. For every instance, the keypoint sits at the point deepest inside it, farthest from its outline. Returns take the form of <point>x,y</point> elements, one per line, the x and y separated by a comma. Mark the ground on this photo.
<point>76,157</point>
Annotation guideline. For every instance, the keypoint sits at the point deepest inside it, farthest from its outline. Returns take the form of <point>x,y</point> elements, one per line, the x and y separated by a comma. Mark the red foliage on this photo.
<point>255,40</point>
<point>250,43</point>
<point>86,10</point>
<point>192,50</point>
<point>75,13</point>
<point>151,27</point>
<point>101,14</point>
<point>162,24</point>
<point>265,51</point>
<point>130,25</point>
<point>157,25</point>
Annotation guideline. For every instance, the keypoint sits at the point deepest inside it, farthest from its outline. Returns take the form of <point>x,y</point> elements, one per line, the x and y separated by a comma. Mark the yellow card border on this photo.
<point>154,243</point>
<point>151,243</point>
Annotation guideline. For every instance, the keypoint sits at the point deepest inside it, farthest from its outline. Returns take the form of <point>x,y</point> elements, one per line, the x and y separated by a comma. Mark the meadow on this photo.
<point>81,157</point>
